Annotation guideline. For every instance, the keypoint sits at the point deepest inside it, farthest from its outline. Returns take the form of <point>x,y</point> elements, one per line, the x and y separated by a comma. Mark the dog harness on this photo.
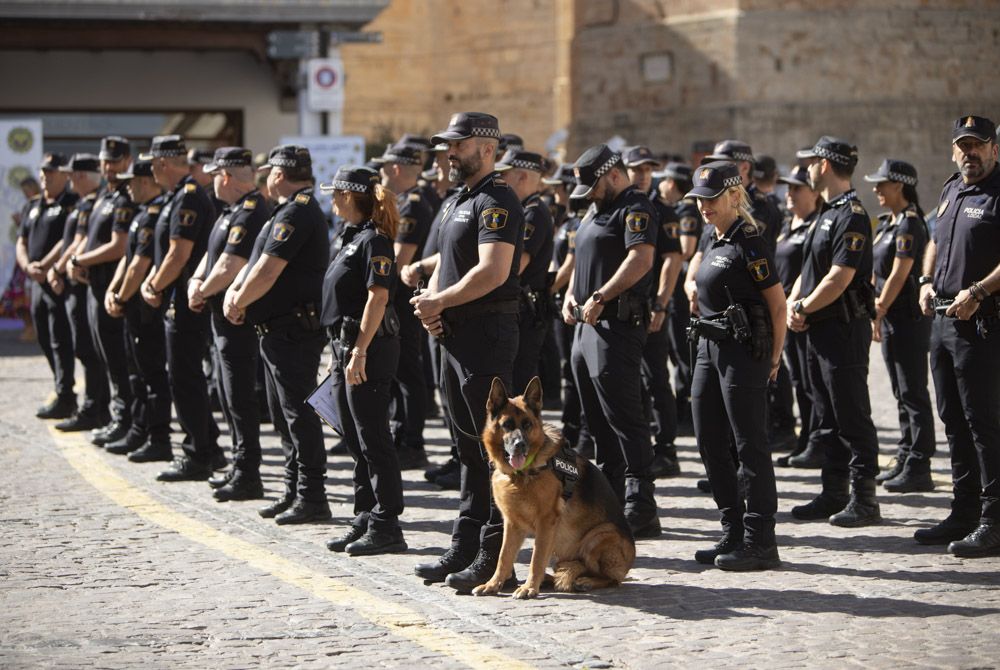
<point>563,466</point>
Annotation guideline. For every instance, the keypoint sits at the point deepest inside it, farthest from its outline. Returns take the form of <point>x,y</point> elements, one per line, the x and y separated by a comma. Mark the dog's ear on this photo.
<point>533,395</point>
<point>498,398</point>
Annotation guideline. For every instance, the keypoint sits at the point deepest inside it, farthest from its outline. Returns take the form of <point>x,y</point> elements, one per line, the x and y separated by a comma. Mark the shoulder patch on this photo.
<point>407,225</point>
<point>750,230</point>
<point>689,224</point>
<point>414,197</point>
<point>571,239</point>
<point>381,265</point>
<point>854,241</point>
<point>186,217</point>
<point>153,209</point>
<point>190,188</point>
<point>236,235</point>
<point>145,235</point>
<point>250,203</point>
<point>123,214</point>
<point>499,181</point>
<point>904,243</point>
<point>857,207</point>
<point>529,230</point>
<point>495,218</point>
<point>759,269</point>
<point>637,221</point>
<point>302,199</point>
<point>282,231</point>
<point>670,229</point>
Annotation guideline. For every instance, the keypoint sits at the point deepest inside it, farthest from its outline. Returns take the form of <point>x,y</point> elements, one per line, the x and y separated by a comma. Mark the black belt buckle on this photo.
<point>578,313</point>
<point>941,305</point>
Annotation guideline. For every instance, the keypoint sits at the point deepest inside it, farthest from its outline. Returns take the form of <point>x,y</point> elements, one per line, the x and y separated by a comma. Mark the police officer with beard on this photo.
<point>471,303</point>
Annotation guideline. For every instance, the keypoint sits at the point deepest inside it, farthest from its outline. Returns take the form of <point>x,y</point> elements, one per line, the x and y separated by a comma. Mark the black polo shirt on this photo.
<point>415,218</point>
<point>740,261</point>
<point>142,229</point>
<point>690,223</point>
<point>366,259</point>
<point>187,216</point>
<point>565,242</point>
<point>235,231</point>
<point>966,233</point>
<point>78,218</point>
<point>841,236</point>
<point>431,245</point>
<point>766,213</point>
<point>43,224</point>
<point>113,213</point>
<point>296,233</point>
<point>902,236</point>
<point>486,213</point>
<point>790,250</point>
<point>604,238</point>
<point>668,239</point>
<point>538,242</point>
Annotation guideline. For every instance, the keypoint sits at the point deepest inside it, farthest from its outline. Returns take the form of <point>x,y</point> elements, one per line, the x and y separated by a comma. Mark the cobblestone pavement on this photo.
<point>101,566</point>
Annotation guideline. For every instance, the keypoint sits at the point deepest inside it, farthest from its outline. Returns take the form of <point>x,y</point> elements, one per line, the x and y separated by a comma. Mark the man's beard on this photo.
<point>972,168</point>
<point>467,167</point>
<point>605,202</point>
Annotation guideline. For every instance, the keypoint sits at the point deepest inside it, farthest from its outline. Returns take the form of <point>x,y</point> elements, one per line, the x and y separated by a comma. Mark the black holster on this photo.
<point>634,309</point>
<point>761,332</point>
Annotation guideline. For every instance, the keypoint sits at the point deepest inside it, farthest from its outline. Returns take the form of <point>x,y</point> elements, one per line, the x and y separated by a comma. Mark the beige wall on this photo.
<point>153,81</point>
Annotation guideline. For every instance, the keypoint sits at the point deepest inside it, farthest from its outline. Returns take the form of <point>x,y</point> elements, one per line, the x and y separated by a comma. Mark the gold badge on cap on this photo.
<point>282,231</point>
<point>637,221</point>
<point>970,123</point>
<point>759,269</point>
<point>495,218</point>
<point>854,241</point>
<point>705,174</point>
<point>381,265</point>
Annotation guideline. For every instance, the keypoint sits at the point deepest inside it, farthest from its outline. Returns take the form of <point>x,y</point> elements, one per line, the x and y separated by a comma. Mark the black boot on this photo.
<point>915,477</point>
<point>862,509</point>
<point>451,561</point>
<point>79,422</point>
<point>704,486</point>
<point>640,508</point>
<point>374,542</point>
<point>278,506</point>
<point>185,469</point>
<point>479,572</point>
<point>304,511</point>
<point>832,499</point>
<point>451,465</point>
<point>62,407</point>
<point>115,431</point>
<point>731,540</point>
<point>218,481</point>
<point>894,469</point>
<point>157,449</point>
<point>749,557</point>
<point>665,462</point>
<point>340,544</point>
<point>132,441</point>
<point>812,458</point>
<point>983,541</point>
<point>411,458</point>
<point>240,487</point>
<point>963,519</point>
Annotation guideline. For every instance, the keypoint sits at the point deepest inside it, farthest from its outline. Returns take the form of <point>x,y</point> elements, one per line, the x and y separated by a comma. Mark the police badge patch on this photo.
<point>381,265</point>
<point>904,243</point>
<point>123,215</point>
<point>236,235</point>
<point>529,230</point>
<point>495,218</point>
<point>186,217</point>
<point>407,225</point>
<point>689,224</point>
<point>854,241</point>
<point>857,208</point>
<point>571,239</point>
<point>637,221</point>
<point>145,235</point>
<point>759,269</point>
<point>670,230</point>
<point>282,231</point>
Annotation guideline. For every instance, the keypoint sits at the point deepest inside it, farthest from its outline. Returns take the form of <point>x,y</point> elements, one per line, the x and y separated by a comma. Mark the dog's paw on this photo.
<point>525,592</point>
<point>488,589</point>
<point>582,584</point>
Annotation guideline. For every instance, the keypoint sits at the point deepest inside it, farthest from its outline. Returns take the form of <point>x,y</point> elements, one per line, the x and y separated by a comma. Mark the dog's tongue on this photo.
<point>517,461</point>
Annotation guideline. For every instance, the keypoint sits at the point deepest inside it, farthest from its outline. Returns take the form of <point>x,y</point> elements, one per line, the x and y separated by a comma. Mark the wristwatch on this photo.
<point>659,307</point>
<point>117,300</point>
<point>924,279</point>
<point>597,297</point>
<point>798,308</point>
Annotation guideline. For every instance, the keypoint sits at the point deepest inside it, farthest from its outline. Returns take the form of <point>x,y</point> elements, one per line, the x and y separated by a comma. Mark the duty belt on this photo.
<point>461,312</point>
<point>716,329</point>
<point>305,318</point>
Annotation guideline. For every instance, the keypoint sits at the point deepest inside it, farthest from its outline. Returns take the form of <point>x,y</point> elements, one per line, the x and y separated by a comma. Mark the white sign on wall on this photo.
<point>325,84</point>
<point>20,156</point>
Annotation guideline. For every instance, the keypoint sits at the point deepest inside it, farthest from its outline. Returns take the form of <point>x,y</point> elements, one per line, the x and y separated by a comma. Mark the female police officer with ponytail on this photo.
<point>362,325</point>
<point>901,327</point>
<point>740,333</point>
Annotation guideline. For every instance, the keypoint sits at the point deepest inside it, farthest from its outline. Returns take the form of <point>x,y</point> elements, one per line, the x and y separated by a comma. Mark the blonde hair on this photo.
<point>742,198</point>
<point>380,207</point>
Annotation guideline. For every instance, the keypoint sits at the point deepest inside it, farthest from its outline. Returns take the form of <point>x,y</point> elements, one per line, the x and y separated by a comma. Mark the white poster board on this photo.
<point>20,156</point>
<point>328,154</point>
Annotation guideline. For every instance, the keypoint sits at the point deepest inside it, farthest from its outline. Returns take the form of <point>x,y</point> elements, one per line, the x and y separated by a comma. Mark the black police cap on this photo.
<point>357,178</point>
<point>764,167</point>
<point>287,156</point>
<point>469,124</point>
<point>139,168</point>
<point>114,147</point>
<point>595,162</point>
<point>510,142</point>
<point>403,154</point>
<point>418,142</point>
<point>53,161</point>
<point>832,149</point>
<point>164,146</point>
<point>229,157</point>
<point>199,156</point>
<point>731,150</point>
<point>563,175</point>
<point>799,176</point>
<point>711,179</point>
<point>639,155</point>
<point>894,170</point>
<point>518,158</point>
<point>82,163</point>
<point>974,126</point>
<point>680,171</point>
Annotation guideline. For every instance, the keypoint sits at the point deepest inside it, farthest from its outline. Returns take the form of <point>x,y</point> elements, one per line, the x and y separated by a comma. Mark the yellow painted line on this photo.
<point>401,620</point>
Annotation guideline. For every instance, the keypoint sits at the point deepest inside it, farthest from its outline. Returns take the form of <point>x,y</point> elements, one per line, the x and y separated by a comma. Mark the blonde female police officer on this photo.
<point>741,332</point>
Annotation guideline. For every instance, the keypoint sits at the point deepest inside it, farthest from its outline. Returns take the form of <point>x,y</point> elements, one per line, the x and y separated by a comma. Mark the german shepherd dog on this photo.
<point>586,533</point>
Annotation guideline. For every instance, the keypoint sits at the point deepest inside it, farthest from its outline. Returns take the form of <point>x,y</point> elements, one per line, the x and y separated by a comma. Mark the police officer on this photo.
<point>960,285</point>
<point>608,299</point>
<point>279,292</point>
<point>145,348</point>
<point>85,180</point>
<point>764,209</point>
<point>106,238</point>
<point>667,263</point>
<point>471,302</point>
<point>236,350</point>
<point>740,335</point>
<point>199,160</point>
<point>766,179</point>
<point>180,238</point>
<point>359,316</point>
<point>832,302</point>
<point>903,330</point>
<point>400,167</point>
<point>522,170</point>
<point>39,244</point>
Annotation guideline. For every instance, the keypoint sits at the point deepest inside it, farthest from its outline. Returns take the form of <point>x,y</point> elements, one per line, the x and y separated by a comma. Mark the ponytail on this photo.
<point>743,206</point>
<point>910,194</point>
<point>380,206</point>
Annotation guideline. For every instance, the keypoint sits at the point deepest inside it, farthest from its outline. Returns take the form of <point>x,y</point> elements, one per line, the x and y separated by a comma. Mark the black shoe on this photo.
<point>749,557</point>
<point>339,544</point>
<point>894,469</point>
<point>478,572</point>
<point>729,542</point>
<point>277,507</point>
<point>152,451</point>
<point>218,461</point>
<point>451,561</point>
<point>377,542</point>
<point>218,481</point>
<point>451,465</point>
<point>910,480</point>
<point>783,440</point>
<point>116,430</point>
<point>704,486</point>
<point>664,466</point>
<point>782,461</point>
<point>954,527</point>
<point>411,458</point>
<point>303,511</point>
<point>811,459</point>
<point>822,506</point>
<point>450,481</point>
<point>240,487</point>
<point>644,526</point>
<point>983,541</point>
<point>127,444</point>
<point>185,469</point>
<point>862,509</point>
<point>79,422</point>
<point>60,408</point>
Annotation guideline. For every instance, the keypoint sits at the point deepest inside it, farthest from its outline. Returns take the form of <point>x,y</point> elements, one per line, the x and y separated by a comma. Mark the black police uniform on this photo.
<point>113,213</point>
<point>767,215</point>
<point>415,219</point>
<point>145,343</point>
<point>728,392</point>
<point>607,357</point>
<point>236,346</point>
<point>690,224</point>
<point>365,260</point>
<point>291,339</point>
<point>42,229</point>
<point>906,335</point>
<point>187,215</point>
<point>965,355</point>
<point>839,337</point>
<point>571,417</point>
<point>481,345</point>
<point>536,304</point>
